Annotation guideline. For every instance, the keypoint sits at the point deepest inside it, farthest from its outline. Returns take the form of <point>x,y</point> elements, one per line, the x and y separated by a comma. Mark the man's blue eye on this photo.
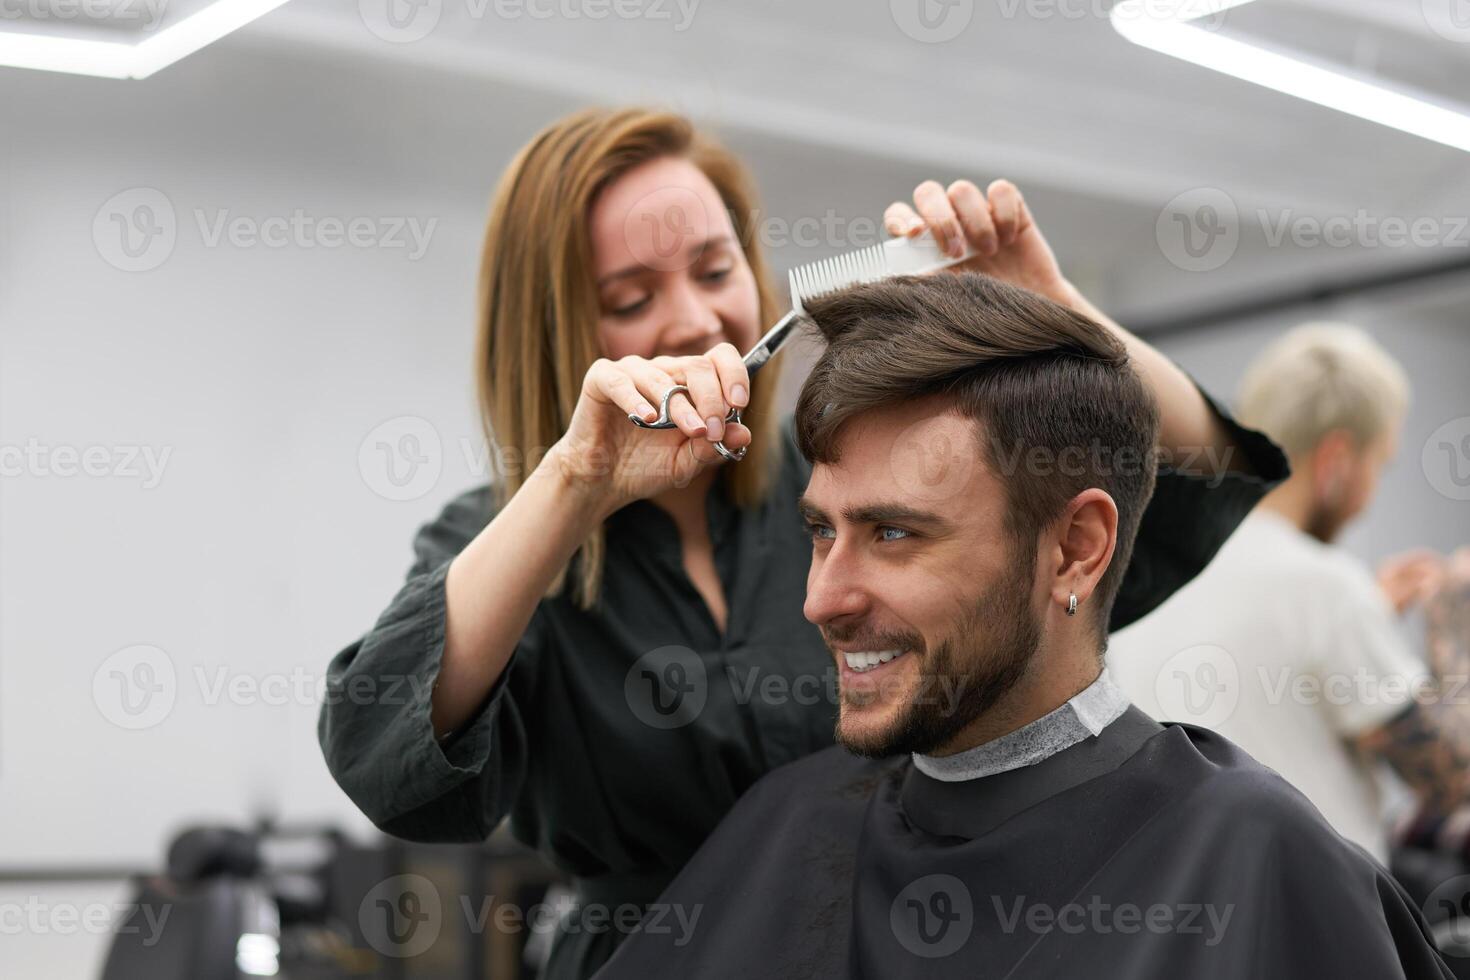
<point>819,530</point>
<point>894,533</point>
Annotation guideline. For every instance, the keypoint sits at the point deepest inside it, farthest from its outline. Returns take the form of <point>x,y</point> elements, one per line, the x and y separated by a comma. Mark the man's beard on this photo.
<point>964,675</point>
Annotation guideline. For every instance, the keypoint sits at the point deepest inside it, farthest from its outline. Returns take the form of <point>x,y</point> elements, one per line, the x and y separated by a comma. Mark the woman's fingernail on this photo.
<point>646,412</point>
<point>692,420</point>
<point>716,427</point>
<point>739,395</point>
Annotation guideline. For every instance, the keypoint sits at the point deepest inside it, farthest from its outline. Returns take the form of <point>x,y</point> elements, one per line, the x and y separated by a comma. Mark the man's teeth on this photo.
<point>868,659</point>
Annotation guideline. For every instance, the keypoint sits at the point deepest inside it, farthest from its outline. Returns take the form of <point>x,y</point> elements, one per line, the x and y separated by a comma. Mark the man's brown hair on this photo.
<point>1055,395</point>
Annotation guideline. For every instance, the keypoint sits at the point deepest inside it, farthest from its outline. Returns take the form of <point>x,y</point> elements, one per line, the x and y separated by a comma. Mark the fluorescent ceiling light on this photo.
<point>1163,26</point>
<point>111,59</point>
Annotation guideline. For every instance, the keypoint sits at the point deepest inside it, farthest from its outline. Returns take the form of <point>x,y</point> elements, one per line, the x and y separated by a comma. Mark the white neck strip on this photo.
<point>1094,708</point>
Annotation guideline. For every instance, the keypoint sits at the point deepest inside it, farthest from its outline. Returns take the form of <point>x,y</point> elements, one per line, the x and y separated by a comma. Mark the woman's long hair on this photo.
<point>538,304</point>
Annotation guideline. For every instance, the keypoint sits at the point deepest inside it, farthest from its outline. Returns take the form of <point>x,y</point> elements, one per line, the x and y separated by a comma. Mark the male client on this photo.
<point>996,808</point>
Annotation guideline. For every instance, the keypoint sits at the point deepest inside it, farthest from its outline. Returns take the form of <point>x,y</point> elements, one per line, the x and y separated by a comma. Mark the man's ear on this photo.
<point>1087,533</point>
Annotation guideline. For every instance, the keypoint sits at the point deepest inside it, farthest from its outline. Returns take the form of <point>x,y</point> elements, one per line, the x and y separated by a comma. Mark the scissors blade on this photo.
<point>767,346</point>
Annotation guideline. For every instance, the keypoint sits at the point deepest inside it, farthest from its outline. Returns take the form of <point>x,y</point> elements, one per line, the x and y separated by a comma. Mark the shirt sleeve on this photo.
<point>1191,514</point>
<point>1368,674</point>
<point>374,726</point>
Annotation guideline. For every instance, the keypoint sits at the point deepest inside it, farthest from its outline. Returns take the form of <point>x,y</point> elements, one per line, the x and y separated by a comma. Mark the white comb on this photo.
<point>895,257</point>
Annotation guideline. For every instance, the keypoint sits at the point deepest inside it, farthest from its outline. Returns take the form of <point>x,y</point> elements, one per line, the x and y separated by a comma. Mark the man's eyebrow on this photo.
<point>695,251</point>
<point>879,513</point>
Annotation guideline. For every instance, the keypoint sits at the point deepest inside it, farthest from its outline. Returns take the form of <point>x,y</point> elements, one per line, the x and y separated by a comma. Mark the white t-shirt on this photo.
<point>1286,647</point>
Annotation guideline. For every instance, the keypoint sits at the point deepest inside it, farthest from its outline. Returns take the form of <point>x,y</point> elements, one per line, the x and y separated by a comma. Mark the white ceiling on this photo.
<point>839,107</point>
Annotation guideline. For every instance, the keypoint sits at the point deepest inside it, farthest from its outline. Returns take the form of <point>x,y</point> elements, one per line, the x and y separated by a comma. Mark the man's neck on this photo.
<point>1045,688</point>
<point>1291,501</point>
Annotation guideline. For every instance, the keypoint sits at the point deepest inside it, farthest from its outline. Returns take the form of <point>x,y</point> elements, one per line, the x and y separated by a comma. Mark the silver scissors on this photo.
<point>762,352</point>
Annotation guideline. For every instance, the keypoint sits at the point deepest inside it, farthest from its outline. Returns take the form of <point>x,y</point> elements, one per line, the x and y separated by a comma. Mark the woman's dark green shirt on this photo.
<point>618,737</point>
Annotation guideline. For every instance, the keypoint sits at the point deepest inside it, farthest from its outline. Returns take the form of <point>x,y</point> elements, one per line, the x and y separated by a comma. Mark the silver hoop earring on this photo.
<point>1072,605</point>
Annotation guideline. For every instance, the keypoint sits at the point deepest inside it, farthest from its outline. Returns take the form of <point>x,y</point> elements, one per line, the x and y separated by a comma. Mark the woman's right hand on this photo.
<point>604,454</point>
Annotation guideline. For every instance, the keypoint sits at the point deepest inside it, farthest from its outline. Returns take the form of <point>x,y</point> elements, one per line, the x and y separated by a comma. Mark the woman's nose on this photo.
<point>693,326</point>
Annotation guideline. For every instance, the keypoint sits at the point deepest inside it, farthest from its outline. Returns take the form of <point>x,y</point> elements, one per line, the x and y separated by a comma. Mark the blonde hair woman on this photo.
<point>608,645</point>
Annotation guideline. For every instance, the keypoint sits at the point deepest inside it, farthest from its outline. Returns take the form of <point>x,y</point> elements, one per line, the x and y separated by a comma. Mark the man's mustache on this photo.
<point>871,639</point>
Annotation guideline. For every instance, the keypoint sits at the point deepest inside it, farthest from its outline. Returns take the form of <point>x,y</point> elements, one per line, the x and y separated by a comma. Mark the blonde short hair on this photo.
<point>1322,377</point>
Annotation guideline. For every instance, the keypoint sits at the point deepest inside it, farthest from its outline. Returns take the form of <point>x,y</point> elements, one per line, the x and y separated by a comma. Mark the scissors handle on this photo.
<point>762,352</point>
<point>664,422</point>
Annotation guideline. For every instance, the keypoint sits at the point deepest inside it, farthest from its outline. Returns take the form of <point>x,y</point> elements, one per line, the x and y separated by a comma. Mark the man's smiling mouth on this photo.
<point>862,661</point>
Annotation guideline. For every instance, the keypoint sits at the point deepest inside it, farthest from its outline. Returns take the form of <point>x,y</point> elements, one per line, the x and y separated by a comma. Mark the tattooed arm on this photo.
<point>1428,745</point>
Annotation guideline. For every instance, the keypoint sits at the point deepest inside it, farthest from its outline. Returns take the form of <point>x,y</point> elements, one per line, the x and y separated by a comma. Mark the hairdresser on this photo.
<point>608,644</point>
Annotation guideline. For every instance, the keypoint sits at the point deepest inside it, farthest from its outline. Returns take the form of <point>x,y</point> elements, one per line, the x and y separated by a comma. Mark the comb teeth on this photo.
<point>829,275</point>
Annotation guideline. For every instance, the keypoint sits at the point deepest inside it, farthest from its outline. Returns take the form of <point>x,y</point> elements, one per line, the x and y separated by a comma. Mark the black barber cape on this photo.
<point>1147,851</point>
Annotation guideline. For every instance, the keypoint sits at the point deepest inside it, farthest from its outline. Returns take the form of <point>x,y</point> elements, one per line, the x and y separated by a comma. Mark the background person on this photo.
<point>1286,644</point>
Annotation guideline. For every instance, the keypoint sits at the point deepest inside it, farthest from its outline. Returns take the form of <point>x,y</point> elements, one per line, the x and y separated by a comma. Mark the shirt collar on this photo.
<point>1084,715</point>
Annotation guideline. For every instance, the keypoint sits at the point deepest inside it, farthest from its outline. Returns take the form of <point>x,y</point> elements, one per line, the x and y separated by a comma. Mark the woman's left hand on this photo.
<point>996,223</point>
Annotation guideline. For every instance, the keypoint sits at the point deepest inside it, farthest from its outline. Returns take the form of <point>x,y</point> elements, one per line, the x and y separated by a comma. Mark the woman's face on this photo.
<point>671,276</point>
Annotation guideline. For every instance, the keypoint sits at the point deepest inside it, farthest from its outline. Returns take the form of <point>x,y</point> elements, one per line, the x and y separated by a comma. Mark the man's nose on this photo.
<point>834,589</point>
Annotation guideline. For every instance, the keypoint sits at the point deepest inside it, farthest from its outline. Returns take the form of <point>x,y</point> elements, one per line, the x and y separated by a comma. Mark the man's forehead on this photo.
<point>921,453</point>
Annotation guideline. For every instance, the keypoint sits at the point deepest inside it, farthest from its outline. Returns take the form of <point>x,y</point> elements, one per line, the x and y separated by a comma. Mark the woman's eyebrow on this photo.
<point>694,252</point>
